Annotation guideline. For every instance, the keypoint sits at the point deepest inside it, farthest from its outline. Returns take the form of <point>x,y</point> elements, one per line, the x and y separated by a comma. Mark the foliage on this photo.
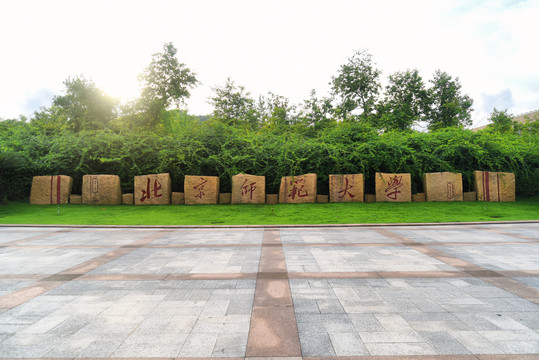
<point>406,101</point>
<point>83,107</point>
<point>357,85</point>
<point>193,147</point>
<point>165,82</point>
<point>234,106</point>
<point>449,108</point>
<point>501,121</point>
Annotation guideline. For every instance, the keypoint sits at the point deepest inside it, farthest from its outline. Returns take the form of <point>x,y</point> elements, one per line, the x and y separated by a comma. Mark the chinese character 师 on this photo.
<point>248,189</point>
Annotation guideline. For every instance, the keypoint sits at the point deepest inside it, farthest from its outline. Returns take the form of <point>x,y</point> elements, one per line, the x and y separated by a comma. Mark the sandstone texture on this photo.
<point>248,189</point>
<point>75,199</point>
<point>177,198</point>
<point>48,190</point>
<point>201,189</point>
<point>298,189</point>
<point>346,188</point>
<point>370,198</point>
<point>128,199</point>
<point>443,186</point>
<point>225,198</point>
<point>322,199</point>
<point>469,196</point>
<point>494,186</point>
<point>393,187</point>
<point>101,190</point>
<point>419,197</point>
<point>152,189</point>
<point>272,199</point>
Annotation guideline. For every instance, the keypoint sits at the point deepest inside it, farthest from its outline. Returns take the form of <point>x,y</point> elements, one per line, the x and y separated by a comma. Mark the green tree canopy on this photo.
<point>406,101</point>
<point>165,82</point>
<point>501,120</point>
<point>84,106</point>
<point>449,108</point>
<point>233,105</point>
<point>357,85</point>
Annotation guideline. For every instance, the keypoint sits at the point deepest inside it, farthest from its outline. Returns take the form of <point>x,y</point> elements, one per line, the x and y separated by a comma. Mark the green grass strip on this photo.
<point>281,214</point>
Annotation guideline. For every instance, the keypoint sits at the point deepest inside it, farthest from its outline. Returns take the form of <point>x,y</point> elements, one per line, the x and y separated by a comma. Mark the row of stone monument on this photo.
<point>250,189</point>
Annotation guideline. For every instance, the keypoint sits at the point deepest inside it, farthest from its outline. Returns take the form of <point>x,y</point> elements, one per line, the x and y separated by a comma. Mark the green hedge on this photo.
<point>219,150</point>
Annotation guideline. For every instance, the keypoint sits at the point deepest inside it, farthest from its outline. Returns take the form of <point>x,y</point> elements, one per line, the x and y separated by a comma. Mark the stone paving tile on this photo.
<point>49,261</point>
<point>345,259</point>
<point>496,257</point>
<point>131,320</point>
<point>399,314</point>
<point>455,234</point>
<point>448,311</point>
<point>532,281</point>
<point>184,261</point>
<point>337,236</point>
<point>212,237</point>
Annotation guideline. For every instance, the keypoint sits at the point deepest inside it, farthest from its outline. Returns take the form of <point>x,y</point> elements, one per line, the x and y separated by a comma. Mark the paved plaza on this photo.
<point>365,292</point>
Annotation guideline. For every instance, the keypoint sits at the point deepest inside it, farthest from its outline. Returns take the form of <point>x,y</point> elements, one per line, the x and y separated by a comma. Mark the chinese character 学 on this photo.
<point>200,188</point>
<point>392,189</point>
<point>298,189</point>
<point>146,193</point>
<point>248,189</point>
<point>345,190</point>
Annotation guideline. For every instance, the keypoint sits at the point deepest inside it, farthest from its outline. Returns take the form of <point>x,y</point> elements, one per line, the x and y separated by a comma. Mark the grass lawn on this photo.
<point>296,214</point>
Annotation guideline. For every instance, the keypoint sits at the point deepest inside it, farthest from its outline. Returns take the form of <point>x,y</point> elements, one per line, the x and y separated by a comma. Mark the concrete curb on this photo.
<point>269,226</point>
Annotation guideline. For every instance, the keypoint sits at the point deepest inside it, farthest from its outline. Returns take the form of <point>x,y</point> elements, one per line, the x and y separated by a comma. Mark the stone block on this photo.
<point>419,197</point>
<point>48,190</point>
<point>201,189</point>
<point>469,196</point>
<point>225,198</point>
<point>272,199</point>
<point>494,186</point>
<point>393,187</point>
<point>298,189</point>
<point>75,199</point>
<point>101,190</point>
<point>248,189</point>
<point>443,186</point>
<point>128,199</point>
<point>346,188</point>
<point>370,198</point>
<point>152,189</point>
<point>177,198</point>
<point>322,199</point>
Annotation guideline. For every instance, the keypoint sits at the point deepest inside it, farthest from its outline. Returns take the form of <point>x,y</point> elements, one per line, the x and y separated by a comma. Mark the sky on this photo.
<point>286,47</point>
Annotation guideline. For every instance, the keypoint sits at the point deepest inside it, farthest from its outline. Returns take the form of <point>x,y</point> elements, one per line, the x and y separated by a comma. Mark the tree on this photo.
<point>316,114</point>
<point>449,108</point>
<point>84,105</point>
<point>233,105</point>
<point>357,85</point>
<point>165,82</point>
<point>276,112</point>
<point>502,121</point>
<point>405,103</point>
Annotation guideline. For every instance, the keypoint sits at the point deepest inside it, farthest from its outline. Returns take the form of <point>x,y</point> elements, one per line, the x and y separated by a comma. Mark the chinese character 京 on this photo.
<point>298,189</point>
<point>392,190</point>
<point>200,188</point>
<point>248,189</point>
<point>156,188</point>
